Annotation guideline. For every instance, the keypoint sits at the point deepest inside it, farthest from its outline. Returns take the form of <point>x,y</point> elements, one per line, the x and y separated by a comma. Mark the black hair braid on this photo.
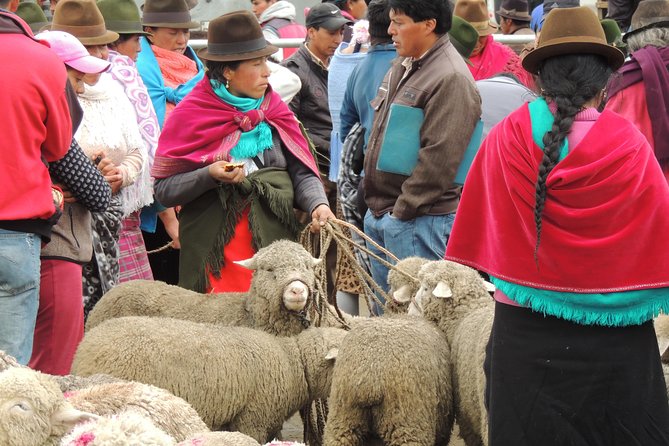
<point>570,82</point>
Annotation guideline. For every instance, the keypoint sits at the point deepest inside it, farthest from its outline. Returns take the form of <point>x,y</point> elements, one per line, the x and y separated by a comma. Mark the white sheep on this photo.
<point>281,289</point>
<point>33,411</point>
<point>169,413</point>
<point>72,383</point>
<point>220,439</point>
<point>392,381</point>
<point>457,299</point>
<point>123,429</point>
<point>236,378</point>
<point>403,287</point>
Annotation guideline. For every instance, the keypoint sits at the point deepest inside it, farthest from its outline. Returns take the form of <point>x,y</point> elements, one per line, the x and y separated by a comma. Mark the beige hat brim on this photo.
<point>267,51</point>
<point>484,28</point>
<point>183,25</point>
<point>532,60</point>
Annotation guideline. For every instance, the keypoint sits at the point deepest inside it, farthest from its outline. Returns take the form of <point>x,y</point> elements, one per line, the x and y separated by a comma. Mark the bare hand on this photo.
<point>319,216</point>
<point>226,172</point>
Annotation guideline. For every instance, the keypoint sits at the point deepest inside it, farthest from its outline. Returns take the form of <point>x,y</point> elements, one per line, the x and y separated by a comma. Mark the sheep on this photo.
<point>72,383</point>
<point>236,378</point>
<point>403,287</point>
<point>33,411</point>
<point>124,429</point>
<point>457,299</point>
<point>281,289</point>
<point>392,381</point>
<point>220,439</point>
<point>170,413</point>
<point>7,361</point>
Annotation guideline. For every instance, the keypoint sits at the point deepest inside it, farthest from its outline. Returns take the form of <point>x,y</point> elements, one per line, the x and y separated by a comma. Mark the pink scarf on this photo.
<point>497,58</point>
<point>203,129</point>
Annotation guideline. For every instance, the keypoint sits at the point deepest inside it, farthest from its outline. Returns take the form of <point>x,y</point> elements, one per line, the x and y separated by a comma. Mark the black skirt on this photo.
<point>554,382</point>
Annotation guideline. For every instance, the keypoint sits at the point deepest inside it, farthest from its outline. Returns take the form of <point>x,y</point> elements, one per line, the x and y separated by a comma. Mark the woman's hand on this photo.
<point>226,172</point>
<point>319,216</point>
<point>109,170</point>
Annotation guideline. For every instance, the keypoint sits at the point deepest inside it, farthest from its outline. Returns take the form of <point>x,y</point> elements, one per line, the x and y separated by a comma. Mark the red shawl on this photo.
<point>604,224</point>
<point>497,58</point>
<point>203,129</point>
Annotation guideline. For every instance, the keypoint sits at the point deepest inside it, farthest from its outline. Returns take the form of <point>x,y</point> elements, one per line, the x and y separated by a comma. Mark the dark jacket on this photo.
<point>441,85</point>
<point>310,104</point>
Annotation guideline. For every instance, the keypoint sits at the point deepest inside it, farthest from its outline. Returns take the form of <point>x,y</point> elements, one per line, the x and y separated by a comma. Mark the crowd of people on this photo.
<point>128,154</point>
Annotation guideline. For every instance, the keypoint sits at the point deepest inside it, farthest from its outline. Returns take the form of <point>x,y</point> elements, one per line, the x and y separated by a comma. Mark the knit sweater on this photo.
<point>110,125</point>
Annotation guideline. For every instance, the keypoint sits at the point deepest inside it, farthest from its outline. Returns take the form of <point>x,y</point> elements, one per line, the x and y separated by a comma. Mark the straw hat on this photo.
<point>167,14</point>
<point>83,20</point>
<point>122,16</point>
<point>235,36</point>
<point>649,14</point>
<point>476,13</point>
<point>572,31</point>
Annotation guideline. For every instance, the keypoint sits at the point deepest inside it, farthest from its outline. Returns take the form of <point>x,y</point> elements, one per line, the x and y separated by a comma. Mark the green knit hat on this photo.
<point>463,37</point>
<point>32,14</point>
<point>122,16</point>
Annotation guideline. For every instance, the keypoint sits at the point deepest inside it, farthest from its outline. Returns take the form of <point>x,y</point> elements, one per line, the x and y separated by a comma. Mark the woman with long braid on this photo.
<point>575,209</point>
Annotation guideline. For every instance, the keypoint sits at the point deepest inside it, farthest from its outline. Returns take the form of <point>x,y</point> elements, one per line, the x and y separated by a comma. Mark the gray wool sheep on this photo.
<point>72,383</point>
<point>282,286</point>
<point>220,439</point>
<point>392,381</point>
<point>237,379</point>
<point>169,413</point>
<point>457,299</point>
<point>402,287</point>
<point>33,411</point>
<point>123,429</point>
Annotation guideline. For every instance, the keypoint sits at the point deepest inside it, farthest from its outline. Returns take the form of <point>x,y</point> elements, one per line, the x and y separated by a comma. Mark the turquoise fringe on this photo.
<point>607,309</point>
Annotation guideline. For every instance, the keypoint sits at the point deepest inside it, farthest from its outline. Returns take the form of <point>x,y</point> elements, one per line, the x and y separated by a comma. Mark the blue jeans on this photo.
<point>19,292</point>
<point>424,236</point>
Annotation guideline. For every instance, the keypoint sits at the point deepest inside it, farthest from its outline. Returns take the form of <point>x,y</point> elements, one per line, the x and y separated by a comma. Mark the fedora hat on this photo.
<point>83,20</point>
<point>167,14</point>
<point>235,36</point>
<point>464,37</point>
<point>515,10</point>
<point>122,16</point>
<point>476,13</point>
<point>572,31</point>
<point>33,15</point>
<point>649,14</point>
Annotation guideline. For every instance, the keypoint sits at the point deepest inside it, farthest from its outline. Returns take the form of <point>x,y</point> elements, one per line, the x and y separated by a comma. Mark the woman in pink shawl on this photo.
<point>237,161</point>
<point>489,57</point>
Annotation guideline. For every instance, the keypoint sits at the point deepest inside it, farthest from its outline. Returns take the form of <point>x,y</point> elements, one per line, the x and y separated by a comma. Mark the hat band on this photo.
<point>166,17</point>
<point>81,31</point>
<point>124,26</point>
<point>513,13</point>
<point>223,49</point>
<point>480,26</point>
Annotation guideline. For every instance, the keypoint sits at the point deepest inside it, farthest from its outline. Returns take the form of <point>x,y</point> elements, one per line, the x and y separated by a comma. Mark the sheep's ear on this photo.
<point>403,294</point>
<point>248,263</point>
<point>414,310</point>
<point>66,417</point>
<point>442,290</point>
<point>489,287</point>
<point>332,354</point>
<point>316,262</point>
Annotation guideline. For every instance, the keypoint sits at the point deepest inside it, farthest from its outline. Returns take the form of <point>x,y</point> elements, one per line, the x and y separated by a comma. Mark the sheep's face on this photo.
<point>32,409</point>
<point>283,273</point>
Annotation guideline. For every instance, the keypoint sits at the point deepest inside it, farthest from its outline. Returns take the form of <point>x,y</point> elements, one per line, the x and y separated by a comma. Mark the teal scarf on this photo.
<point>255,141</point>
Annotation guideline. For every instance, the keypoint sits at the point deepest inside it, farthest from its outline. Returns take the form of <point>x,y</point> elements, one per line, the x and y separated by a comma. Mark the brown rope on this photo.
<point>162,248</point>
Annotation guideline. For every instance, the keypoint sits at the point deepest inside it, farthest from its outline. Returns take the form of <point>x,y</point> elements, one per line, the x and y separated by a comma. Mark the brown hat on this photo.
<point>572,31</point>
<point>167,14</point>
<point>476,13</point>
<point>649,14</point>
<point>83,20</point>
<point>515,10</point>
<point>235,36</point>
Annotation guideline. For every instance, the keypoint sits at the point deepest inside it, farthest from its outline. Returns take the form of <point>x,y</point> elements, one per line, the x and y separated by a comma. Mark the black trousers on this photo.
<point>554,382</point>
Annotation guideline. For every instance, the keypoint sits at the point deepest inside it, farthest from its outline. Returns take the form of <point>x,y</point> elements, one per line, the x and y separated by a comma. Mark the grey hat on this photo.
<point>649,14</point>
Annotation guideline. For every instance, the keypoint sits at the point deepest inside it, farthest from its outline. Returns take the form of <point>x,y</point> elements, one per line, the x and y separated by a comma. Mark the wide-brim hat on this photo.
<point>168,14</point>
<point>515,10</point>
<point>82,19</point>
<point>32,14</point>
<point>122,16</point>
<point>235,36</point>
<point>649,14</point>
<point>572,31</point>
<point>476,13</point>
<point>464,37</point>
